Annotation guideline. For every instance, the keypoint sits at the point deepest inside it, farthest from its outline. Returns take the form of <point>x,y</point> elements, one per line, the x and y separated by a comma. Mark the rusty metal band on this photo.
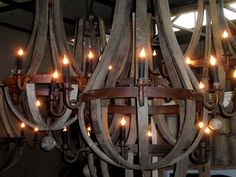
<point>132,92</point>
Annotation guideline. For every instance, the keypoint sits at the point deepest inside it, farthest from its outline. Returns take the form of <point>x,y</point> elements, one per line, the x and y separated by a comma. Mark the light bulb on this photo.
<point>55,75</point>
<point>89,128</point>
<point>65,60</point>
<point>215,124</point>
<point>64,129</point>
<point>207,130</point>
<point>37,103</point>
<point>142,54</point>
<point>90,55</point>
<point>188,61</point>
<point>225,34</point>
<point>212,60</point>
<point>22,125</point>
<point>149,133</point>
<point>36,129</point>
<point>201,85</point>
<point>20,52</point>
<point>123,121</point>
<point>154,53</point>
<point>110,67</point>
<point>234,74</point>
<point>200,124</point>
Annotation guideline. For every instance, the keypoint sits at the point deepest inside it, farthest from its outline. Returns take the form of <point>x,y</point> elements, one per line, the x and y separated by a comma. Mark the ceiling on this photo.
<point>18,14</point>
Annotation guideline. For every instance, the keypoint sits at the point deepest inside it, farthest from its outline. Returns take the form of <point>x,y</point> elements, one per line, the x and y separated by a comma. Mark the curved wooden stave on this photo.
<point>104,169</point>
<point>40,39</point>
<point>181,168</point>
<point>35,27</point>
<point>55,55</point>
<point>102,33</point>
<point>217,43</point>
<point>60,124</point>
<point>78,45</point>
<point>162,124</point>
<point>15,152</point>
<point>7,123</point>
<point>59,31</point>
<point>91,165</point>
<point>192,46</point>
<point>88,139</point>
<point>33,109</point>
<point>162,162</point>
<point>100,127</point>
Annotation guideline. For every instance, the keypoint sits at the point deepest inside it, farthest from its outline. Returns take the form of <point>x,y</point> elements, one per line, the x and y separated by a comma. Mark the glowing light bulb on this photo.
<point>149,133</point>
<point>154,53</point>
<point>200,124</point>
<point>22,125</point>
<point>142,54</point>
<point>64,129</point>
<point>37,103</point>
<point>55,75</point>
<point>90,55</point>
<point>207,130</point>
<point>188,61</point>
<point>201,85</point>
<point>20,52</point>
<point>89,128</point>
<point>212,60</point>
<point>225,34</point>
<point>36,129</point>
<point>123,121</point>
<point>234,74</point>
<point>65,60</point>
<point>110,67</point>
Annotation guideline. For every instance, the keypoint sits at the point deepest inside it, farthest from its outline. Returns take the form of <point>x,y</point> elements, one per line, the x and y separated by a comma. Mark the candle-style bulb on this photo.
<point>90,55</point>
<point>188,61</point>
<point>201,85</point>
<point>64,129</point>
<point>89,128</point>
<point>154,53</point>
<point>65,60</point>
<point>212,60</point>
<point>234,75</point>
<point>110,67</point>
<point>20,52</point>
<point>149,133</point>
<point>22,125</point>
<point>225,34</point>
<point>200,124</point>
<point>22,132</point>
<point>55,75</point>
<point>66,71</point>
<point>123,122</point>
<point>207,130</point>
<point>38,103</point>
<point>142,54</point>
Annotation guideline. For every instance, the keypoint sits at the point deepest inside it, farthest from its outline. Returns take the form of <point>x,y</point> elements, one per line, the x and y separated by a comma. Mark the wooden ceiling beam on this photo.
<point>13,5</point>
<point>14,27</point>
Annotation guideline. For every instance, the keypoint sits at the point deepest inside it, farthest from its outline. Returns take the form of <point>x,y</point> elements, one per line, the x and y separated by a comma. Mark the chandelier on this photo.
<point>138,100</point>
